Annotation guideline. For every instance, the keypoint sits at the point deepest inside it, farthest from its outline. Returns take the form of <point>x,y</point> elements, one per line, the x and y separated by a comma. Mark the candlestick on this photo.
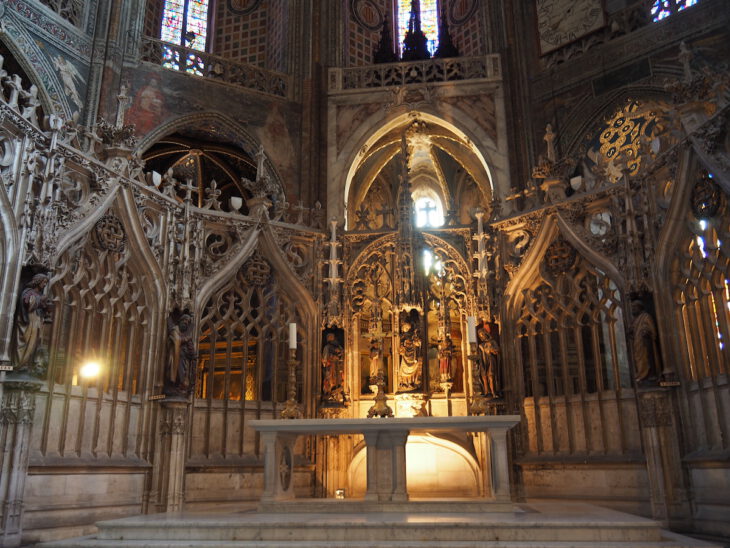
<point>292,410</point>
<point>471,329</point>
<point>292,336</point>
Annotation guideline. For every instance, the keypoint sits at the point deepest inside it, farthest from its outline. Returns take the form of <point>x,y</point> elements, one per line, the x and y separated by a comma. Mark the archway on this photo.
<point>435,467</point>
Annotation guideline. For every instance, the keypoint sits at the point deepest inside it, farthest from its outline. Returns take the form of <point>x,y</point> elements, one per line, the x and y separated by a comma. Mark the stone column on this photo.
<point>398,442</point>
<point>386,466</point>
<point>669,503</point>
<point>173,430</point>
<point>16,421</point>
<point>371,491</point>
<point>278,466</point>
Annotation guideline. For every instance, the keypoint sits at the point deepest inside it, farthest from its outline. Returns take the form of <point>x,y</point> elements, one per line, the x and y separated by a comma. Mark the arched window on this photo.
<point>662,9</point>
<point>429,211</point>
<point>429,22</point>
<point>185,23</point>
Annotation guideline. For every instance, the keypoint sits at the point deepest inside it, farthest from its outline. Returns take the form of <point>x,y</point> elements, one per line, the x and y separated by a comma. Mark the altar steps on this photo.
<point>545,525</point>
<point>670,541</point>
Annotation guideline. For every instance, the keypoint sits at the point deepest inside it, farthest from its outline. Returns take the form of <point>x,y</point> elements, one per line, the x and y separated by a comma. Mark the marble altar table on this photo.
<point>385,440</point>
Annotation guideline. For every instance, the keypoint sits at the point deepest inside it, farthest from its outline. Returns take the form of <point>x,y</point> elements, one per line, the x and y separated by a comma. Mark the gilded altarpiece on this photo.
<point>411,342</point>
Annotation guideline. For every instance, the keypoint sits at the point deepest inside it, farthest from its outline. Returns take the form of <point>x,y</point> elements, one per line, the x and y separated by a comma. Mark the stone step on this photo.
<point>552,525</point>
<point>354,506</point>
<point>668,540</point>
<point>384,527</point>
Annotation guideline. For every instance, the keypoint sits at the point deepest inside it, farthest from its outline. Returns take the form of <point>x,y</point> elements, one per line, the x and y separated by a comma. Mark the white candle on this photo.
<point>471,329</point>
<point>292,336</point>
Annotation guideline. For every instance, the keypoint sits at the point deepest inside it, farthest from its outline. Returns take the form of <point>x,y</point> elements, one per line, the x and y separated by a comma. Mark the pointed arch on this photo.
<point>232,131</point>
<point>345,164</point>
<point>259,236</point>
<point>250,240</point>
<point>36,65</point>
<point>83,226</point>
<point>553,225</point>
<point>9,270</point>
<point>236,133</point>
<point>292,284</point>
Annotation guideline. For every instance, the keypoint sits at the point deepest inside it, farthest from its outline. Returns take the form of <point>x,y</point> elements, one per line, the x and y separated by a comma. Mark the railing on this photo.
<point>200,63</point>
<point>485,67</point>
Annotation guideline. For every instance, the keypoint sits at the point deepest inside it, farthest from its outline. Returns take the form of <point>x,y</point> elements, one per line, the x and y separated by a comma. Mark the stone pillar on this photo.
<point>278,466</point>
<point>669,503</point>
<point>16,421</point>
<point>398,442</point>
<point>386,466</point>
<point>499,464</point>
<point>173,430</point>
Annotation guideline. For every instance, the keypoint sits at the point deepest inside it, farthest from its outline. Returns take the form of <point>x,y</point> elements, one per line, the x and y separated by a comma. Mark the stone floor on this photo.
<point>532,525</point>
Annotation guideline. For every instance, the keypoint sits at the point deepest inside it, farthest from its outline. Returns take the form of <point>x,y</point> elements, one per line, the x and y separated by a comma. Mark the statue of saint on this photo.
<point>488,362</point>
<point>409,372</point>
<point>376,354</point>
<point>332,369</point>
<point>181,355</point>
<point>644,345</point>
<point>446,351</point>
<point>30,313</point>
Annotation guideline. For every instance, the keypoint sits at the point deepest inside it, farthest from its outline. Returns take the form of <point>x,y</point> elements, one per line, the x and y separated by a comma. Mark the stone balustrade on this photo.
<point>486,67</point>
<point>213,67</point>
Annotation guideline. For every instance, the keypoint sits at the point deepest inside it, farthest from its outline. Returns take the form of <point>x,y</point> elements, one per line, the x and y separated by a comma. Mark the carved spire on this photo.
<point>415,43</point>
<point>385,52</point>
<point>446,45</point>
<point>408,281</point>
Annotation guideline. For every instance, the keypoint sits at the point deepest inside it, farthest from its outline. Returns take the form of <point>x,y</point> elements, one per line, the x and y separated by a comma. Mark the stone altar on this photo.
<point>385,440</point>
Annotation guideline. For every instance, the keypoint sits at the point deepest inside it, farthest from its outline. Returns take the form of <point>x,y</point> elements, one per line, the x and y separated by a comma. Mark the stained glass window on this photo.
<point>429,212</point>
<point>664,8</point>
<point>429,22</point>
<point>185,22</point>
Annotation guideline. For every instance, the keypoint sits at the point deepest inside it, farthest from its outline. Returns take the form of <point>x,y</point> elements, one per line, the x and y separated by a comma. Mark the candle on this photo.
<point>292,336</point>
<point>471,329</point>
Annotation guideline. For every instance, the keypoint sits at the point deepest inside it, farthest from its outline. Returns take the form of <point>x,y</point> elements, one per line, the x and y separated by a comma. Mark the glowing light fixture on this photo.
<point>90,370</point>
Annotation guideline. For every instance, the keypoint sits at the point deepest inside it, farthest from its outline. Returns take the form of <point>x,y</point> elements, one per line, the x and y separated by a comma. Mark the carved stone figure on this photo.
<point>32,102</point>
<point>644,345</point>
<point>376,354</point>
<point>549,139</point>
<point>409,371</point>
<point>488,363</point>
<point>332,370</point>
<point>181,355</point>
<point>30,314</point>
<point>446,351</point>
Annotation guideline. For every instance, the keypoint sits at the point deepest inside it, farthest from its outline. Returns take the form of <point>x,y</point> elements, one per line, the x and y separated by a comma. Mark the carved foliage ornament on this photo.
<point>559,257</point>
<point>654,411</point>
<point>109,234</point>
<point>257,270</point>
<point>285,468</point>
<point>18,406</point>
<point>706,197</point>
